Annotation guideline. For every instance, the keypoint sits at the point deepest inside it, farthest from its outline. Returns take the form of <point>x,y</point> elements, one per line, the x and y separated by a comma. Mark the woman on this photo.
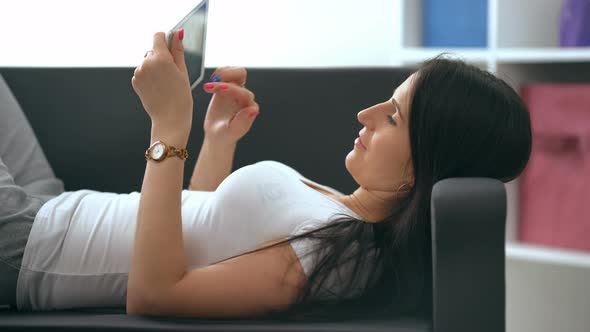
<point>265,241</point>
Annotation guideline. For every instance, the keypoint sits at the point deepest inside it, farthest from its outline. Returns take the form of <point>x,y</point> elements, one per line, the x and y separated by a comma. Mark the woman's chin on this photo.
<point>349,159</point>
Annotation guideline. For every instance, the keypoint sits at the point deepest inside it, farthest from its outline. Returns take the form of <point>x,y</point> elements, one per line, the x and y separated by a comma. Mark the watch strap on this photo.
<point>170,151</point>
<point>181,153</point>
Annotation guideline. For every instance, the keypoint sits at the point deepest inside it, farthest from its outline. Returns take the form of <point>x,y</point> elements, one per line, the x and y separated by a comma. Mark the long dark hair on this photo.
<point>463,122</point>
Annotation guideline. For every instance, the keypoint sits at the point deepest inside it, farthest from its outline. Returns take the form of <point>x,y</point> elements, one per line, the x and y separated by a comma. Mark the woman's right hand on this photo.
<point>232,109</point>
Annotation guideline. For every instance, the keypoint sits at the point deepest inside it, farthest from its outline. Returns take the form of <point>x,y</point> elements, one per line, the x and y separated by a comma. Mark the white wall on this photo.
<point>547,289</point>
<point>82,33</point>
<point>269,33</point>
<point>253,33</point>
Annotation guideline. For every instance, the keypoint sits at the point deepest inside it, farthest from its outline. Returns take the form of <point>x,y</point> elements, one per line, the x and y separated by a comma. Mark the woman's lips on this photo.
<point>360,142</point>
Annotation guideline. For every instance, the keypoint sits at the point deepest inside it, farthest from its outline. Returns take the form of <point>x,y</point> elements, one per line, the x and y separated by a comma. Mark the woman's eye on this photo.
<point>392,120</point>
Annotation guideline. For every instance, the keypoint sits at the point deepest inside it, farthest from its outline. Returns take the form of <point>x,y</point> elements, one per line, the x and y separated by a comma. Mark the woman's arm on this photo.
<point>213,165</point>
<point>158,260</point>
<point>228,119</point>
<point>158,281</point>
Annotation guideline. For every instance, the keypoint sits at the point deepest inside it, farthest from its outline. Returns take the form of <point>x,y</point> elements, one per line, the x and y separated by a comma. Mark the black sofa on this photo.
<point>94,132</point>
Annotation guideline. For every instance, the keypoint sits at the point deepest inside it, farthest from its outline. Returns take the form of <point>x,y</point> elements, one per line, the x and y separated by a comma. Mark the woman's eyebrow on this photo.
<point>399,110</point>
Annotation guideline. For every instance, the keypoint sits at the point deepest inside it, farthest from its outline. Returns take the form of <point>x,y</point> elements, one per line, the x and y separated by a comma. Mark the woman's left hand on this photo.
<point>162,84</point>
<point>232,109</point>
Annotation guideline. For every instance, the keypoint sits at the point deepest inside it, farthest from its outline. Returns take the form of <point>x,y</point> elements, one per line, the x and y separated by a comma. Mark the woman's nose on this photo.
<point>365,116</point>
<point>361,116</point>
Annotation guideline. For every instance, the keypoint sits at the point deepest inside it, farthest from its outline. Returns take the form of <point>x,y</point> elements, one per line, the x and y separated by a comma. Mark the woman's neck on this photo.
<point>372,206</point>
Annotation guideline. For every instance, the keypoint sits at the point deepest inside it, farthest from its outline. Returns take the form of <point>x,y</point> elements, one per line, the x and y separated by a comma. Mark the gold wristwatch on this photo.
<point>160,151</point>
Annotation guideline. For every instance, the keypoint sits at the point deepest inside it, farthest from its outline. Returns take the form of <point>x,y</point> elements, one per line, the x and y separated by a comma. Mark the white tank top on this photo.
<point>79,249</point>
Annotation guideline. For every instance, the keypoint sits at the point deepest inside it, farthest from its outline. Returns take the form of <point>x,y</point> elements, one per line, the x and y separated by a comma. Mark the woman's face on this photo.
<point>384,162</point>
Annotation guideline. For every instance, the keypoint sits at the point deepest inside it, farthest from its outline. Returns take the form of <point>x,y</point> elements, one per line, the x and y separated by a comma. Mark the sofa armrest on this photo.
<point>468,241</point>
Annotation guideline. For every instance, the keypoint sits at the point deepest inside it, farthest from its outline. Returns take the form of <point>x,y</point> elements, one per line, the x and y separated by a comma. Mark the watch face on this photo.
<point>158,151</point>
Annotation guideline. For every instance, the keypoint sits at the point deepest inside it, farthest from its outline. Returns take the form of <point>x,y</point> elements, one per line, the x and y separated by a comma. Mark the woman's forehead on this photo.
<point>405,86</point>
<point>401,94</point>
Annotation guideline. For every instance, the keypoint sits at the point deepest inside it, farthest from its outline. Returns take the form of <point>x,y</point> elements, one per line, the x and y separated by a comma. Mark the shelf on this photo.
<point>547,255</point>
<point>543,55</point>
<point>418,54</point>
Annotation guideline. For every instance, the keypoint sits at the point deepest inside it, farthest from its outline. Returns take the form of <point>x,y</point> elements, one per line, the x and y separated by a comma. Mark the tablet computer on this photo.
<point>195,31</point>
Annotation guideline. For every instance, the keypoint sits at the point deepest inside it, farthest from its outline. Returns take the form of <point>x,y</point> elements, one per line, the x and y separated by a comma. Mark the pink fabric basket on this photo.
<point>554,189</point>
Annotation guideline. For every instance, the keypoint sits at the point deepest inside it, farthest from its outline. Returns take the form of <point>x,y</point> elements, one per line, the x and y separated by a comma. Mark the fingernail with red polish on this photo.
<point>254,114</point>
<point>181,34</point>
<point>224,87</point>
<point>209,85</point>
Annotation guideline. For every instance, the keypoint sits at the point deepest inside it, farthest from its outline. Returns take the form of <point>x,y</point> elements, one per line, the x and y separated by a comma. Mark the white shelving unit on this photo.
<point>523,47</point>
<point>542,55</point>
